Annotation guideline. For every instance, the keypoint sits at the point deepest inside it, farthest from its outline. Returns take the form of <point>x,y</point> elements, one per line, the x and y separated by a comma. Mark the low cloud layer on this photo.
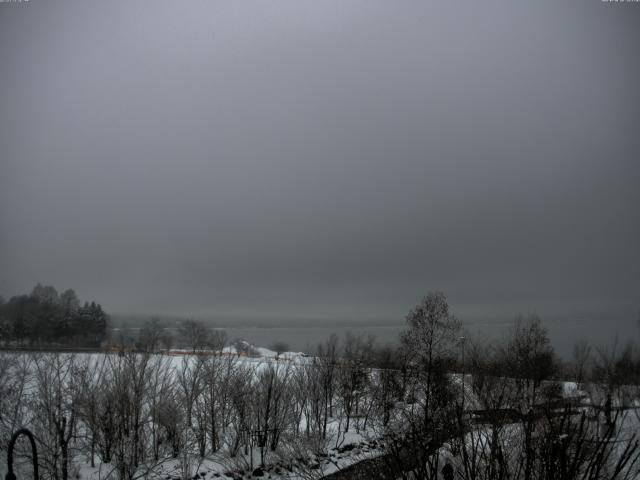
<point>323,159</point>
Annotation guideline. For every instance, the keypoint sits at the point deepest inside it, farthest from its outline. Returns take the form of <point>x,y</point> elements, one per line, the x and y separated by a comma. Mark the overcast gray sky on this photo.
<point>323,158</point>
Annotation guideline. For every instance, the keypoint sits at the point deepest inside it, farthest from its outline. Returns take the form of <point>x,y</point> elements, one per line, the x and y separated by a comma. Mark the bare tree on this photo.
<point>159,388</point>
<point>271,413</point>
<point>56,405</point>
<point>127,413</point>
<point>15,411</point>
<point>354,374</point>
<point>190,388</point>
<point>428,417</point>
<point>311,398</point>
<point>151,335</point>
<point>196,335</point>
<point>218,374</point>
<point>328,363</point>
<point>241,383</point>
<point>616,378</point>
<point>431,339</point>
<point>580,361</point>
<point>169,418</point>
<point>530,358</point>
<point>483,448</point>
<point>92,372</point>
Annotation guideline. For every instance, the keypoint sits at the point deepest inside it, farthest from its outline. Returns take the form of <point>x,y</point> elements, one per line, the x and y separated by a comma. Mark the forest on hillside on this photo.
<point>46,318</point>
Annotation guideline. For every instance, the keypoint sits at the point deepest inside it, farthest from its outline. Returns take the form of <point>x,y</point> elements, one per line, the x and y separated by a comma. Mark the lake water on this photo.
<point>563,333</point>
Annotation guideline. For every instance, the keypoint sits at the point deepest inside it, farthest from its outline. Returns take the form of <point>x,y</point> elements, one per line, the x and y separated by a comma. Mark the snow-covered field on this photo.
<point>278,391</point>
<point>297,455</point>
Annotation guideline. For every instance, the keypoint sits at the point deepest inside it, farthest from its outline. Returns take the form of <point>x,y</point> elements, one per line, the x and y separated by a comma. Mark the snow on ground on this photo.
<point>343,448</point>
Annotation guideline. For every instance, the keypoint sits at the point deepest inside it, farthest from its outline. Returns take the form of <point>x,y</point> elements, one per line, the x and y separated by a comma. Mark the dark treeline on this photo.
<point>46,318</point>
